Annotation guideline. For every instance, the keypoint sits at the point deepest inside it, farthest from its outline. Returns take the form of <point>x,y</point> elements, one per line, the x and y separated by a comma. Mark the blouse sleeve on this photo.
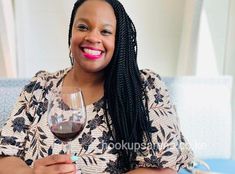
<point>14,132</point>
<point>168,149</point>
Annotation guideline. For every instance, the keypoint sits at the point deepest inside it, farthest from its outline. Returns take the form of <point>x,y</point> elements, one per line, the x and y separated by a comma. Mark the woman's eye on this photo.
<point>106,32</point>
<point>82,27</point>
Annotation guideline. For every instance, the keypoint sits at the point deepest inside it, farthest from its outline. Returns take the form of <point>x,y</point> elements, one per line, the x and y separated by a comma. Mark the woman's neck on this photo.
<point>90,83</point>
<point>85,79</point>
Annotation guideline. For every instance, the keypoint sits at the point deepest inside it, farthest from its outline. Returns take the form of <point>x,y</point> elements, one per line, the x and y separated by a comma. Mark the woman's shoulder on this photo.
<point>46,75</point>
<point>146,73</point>
<point>151,79</point>
<point>44,78</point>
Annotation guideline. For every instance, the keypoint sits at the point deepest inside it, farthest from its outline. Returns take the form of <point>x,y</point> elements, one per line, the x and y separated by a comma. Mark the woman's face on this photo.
<point>93,36</point>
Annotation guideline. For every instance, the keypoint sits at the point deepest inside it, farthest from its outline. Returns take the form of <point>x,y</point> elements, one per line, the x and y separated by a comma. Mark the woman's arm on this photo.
<point>14,165</point>
<point>152,171</point>
<point>53,164</point>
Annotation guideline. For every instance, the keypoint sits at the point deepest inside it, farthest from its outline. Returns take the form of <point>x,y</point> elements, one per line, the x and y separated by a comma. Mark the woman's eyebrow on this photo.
<point>106,23</point>
<point>81,20</point>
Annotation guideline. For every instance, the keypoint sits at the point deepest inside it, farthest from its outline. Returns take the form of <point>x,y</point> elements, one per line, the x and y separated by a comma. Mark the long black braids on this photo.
<point>126,114</point>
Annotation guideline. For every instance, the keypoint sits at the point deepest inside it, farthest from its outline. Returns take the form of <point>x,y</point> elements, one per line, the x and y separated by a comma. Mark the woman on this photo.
<point>125,106</point>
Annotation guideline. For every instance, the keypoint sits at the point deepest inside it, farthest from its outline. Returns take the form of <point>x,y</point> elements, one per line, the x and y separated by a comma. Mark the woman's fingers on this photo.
<point>54,164</point>
<point>53,159</point>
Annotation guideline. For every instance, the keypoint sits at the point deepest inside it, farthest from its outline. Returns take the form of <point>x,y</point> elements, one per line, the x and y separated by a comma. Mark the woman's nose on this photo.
<point>93,37</point>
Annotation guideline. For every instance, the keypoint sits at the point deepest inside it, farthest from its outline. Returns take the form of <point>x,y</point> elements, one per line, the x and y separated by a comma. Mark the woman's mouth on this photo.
<point>92,53</point>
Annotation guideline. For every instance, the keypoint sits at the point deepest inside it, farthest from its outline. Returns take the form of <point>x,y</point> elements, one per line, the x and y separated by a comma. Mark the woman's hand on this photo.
<point>54,164</point>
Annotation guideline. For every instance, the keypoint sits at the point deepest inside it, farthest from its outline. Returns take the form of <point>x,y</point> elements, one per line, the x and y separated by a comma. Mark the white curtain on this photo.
<point>230,59</point>
<point>7,39</point>
<point>207,42</point>
<point>189,38</point>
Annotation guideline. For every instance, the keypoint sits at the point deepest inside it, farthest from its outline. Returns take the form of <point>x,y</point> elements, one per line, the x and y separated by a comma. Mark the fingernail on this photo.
<point>74,158</point>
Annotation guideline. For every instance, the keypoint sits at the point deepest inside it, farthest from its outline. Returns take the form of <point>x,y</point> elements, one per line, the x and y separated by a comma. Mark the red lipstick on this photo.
<point>92,57</point>
<point>87,53</point>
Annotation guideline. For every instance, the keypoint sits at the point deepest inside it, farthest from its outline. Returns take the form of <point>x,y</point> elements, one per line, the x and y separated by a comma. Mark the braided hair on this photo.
<point>123,88</point>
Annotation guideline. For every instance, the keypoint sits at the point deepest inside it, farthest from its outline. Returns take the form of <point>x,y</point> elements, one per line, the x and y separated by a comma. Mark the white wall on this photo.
<point>159,26</point>
<point>7,39</point>
<point>2,64</point>
<point>42,27</point>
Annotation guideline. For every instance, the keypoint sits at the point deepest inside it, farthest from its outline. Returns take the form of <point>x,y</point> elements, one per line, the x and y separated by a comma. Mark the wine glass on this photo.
<point>66,115</point>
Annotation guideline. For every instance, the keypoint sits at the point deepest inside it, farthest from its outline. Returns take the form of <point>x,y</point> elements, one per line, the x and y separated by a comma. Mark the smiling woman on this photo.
<point>131,123</point>
<point>93,37</point>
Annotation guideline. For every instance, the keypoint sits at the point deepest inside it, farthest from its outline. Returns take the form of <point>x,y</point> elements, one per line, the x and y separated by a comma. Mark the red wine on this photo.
<point>67,131</point>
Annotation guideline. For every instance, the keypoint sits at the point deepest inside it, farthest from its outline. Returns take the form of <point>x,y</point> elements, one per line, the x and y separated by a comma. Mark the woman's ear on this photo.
<point>71,56</point>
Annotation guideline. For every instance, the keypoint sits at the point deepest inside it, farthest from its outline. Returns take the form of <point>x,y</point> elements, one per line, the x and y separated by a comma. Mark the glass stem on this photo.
<point>68,148</point>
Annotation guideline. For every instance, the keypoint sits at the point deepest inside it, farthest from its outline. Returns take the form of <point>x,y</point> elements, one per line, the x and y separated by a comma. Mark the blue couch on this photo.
<point>9,91</point>
<point>203,106</point>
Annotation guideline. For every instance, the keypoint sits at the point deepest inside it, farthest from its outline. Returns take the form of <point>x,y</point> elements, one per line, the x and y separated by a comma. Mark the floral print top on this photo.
<point>26,134</point>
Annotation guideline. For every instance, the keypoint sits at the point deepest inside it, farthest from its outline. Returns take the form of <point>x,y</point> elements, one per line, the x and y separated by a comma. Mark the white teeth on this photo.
<point>92,52</point>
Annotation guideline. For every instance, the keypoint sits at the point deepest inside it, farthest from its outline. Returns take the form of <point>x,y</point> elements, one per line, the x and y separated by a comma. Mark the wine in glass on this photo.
<point>66,115</point>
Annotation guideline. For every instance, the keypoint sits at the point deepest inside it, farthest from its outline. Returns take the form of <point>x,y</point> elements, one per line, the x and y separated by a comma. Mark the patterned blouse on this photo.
<point>26,134</point>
